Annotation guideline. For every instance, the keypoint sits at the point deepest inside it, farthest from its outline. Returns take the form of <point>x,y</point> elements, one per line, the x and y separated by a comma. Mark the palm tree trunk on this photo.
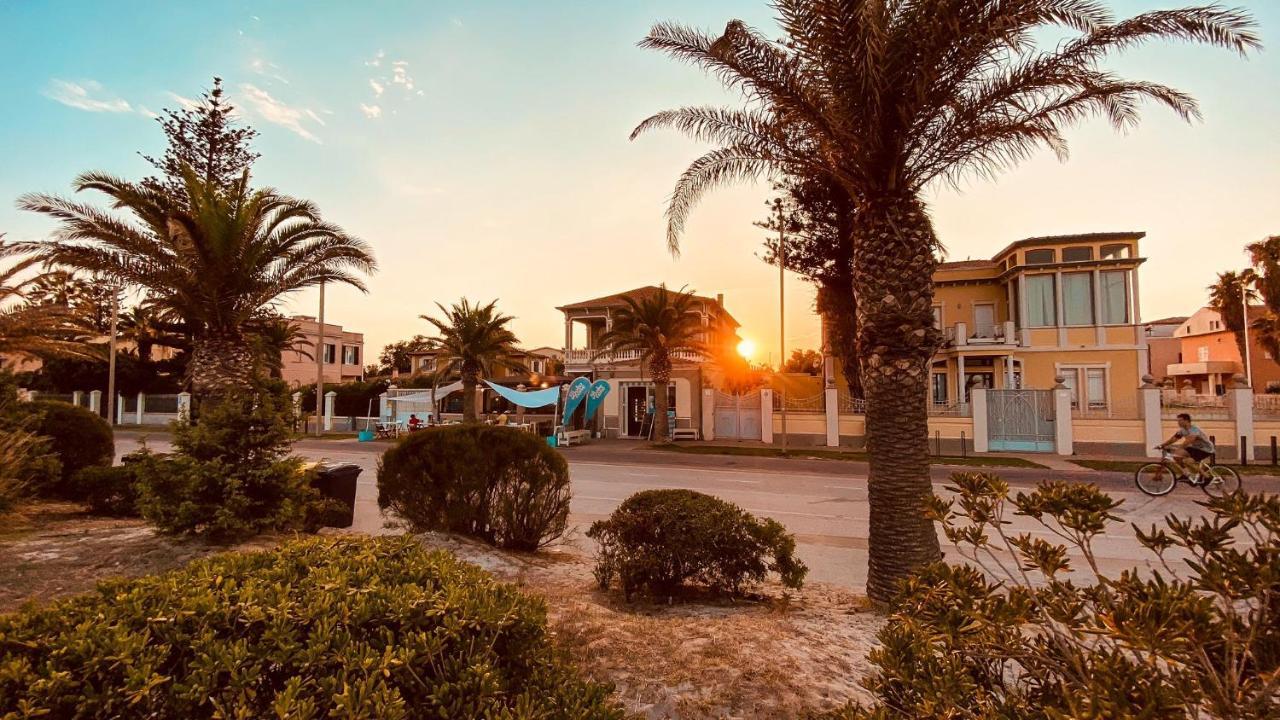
<point>661,371</point>
<point>469,380</point>
<point>839,311</point>
<point>220,362</point>
<point>893,281</point>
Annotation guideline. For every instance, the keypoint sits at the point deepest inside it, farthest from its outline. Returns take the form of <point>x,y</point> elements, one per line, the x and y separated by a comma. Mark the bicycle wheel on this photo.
<point>1155,479</point>
<point>1220,481</point>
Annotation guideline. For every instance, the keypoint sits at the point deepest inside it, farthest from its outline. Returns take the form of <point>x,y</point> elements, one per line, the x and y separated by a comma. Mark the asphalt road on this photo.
<point>824,502</point>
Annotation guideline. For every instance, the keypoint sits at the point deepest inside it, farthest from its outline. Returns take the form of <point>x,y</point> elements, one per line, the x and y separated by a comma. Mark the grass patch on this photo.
<point>1131,466</point>
<point>848,456</point>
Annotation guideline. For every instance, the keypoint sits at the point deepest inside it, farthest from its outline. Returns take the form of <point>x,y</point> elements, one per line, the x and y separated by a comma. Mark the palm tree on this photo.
<point>273,336</point>
<point>145,327</point>
<point>34,330</point>
<point>1228,296</point>
<point>1265,256</point>
<point>658,325</point>
<point>473,340</point>
<point>887,97</point>
<point>216,262</point>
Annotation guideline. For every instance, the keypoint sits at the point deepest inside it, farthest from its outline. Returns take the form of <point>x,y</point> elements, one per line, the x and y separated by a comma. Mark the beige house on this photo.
<point>343,354</point>
<point>631,391</point>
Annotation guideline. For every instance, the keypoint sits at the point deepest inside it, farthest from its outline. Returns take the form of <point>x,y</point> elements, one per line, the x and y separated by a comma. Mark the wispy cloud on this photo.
<point>142,110</point>
<point>267,69</point>
<point>400,74</point>
<point>371,111</point>
<point>456,22</point>
<point>376,60</point>
<point>277,112</point>
<point>185,102</point>
<point>377,87</point>
<point>87,95</point>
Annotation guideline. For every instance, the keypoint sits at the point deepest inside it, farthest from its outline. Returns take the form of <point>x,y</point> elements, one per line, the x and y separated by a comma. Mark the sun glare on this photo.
<point>747,348</point>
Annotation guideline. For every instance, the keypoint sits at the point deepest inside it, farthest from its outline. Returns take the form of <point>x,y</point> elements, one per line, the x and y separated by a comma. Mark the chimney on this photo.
<point>720,299</point>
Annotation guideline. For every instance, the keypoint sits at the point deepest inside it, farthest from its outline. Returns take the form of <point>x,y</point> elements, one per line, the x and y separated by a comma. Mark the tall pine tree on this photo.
<point>206,137</point>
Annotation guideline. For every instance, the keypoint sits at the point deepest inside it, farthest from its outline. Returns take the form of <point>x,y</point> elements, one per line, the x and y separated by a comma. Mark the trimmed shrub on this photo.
<point>111,489</point>
<point>231,475</point>
<point>77,436</point>
<point>1032,628</point>
<point>659,540</point>
<point>499,484</point>
<point>320,628</point>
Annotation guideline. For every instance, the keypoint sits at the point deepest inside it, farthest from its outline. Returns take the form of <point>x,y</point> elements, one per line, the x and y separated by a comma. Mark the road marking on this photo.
<point>693,469</point>
<point>843,487</point>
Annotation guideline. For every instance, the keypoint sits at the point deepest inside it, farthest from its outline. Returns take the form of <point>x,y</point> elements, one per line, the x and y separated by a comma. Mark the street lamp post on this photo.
<point>320,364</point>
<point>782,317</point>
<point>111,359</point>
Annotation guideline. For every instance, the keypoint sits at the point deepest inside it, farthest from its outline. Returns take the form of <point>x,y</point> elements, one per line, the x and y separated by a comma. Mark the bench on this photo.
<point>684,434</point>
<point>574,437</point>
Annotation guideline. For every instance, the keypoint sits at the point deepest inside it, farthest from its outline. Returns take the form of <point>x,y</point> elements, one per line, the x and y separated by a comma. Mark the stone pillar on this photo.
<point>76,397</point>
<point>184,407</point>
<point>962,334</point>
<point>708,414</point>
<point>382,406</point>
<point>329,399</point>
<point>831,402</point>
<point>1062,430</point>
<point>1240,400</point>
<point>766,415</point>
<point>95,401</point>
<point>1010,333</point>
<point>119,409</point>
<point>1152,430</point>
<point>981,437</point>
<point>142,401</point>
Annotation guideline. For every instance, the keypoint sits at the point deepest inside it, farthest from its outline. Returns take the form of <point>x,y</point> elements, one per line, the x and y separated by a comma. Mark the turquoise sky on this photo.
<point>482,148</point>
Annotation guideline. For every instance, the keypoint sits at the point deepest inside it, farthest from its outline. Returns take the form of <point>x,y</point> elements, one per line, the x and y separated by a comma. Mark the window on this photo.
<point>426,364</point>
<point>937,316</point>
<point>1077,254</point>
<point>1115,252</point>
<point>1115,298</point>
<point>1088,386</point>
<point>1041,307</point>
<point>330,353</point>
<point>1202,353</point>
<point>350,355</point>
<point>1077,298</point>
<point>1040,257</point>
<point>940,388</point>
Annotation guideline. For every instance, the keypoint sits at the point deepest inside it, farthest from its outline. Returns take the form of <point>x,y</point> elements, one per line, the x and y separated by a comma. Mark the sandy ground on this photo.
<point>777,655</point>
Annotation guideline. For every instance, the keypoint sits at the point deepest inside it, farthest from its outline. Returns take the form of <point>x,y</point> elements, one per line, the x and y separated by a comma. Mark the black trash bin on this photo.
<point>339,482</point>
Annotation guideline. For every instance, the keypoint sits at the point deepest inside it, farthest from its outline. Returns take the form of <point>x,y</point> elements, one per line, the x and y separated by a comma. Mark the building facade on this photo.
<point>1043,308</point>
<point>343,354</point>
<point>1209,356</point>
<point>631,394</point>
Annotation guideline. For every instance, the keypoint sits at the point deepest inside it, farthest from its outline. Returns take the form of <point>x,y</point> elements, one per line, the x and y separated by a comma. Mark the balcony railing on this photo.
<point>984,334</point>
<point>596,357</point>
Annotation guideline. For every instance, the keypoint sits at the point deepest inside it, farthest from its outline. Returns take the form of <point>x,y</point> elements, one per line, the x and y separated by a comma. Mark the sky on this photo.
<point>482,149</point>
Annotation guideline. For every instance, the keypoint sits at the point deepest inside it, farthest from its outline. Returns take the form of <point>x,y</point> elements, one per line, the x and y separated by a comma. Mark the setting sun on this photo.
<point>747,348</point>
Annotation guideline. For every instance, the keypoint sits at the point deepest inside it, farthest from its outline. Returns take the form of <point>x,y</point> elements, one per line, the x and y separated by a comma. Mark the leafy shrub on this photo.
<point>658,540</point>
<point>230,476</point>
<point>111,489</point>
<point>499,484</point>
<point>77,436</point>
<point>1010,635</point>
<point>26,461</point>
<point>322,627</point>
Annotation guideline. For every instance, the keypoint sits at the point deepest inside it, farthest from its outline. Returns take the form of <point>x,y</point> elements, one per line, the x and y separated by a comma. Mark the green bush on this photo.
<point>111,489</point>
<point>499,484</point>
<point>320,628</point>
<point>1030,628</point>
<point>77,436</point>
<point>230,475</point>
<point>659,540</point>
<point>26,461</point>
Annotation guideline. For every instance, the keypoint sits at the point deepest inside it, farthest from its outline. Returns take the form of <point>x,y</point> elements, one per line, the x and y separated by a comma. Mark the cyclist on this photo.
<point>1189,447</point>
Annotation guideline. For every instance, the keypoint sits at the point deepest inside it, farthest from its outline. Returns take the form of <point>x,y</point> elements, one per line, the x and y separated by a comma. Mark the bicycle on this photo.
<point>1160,478</point>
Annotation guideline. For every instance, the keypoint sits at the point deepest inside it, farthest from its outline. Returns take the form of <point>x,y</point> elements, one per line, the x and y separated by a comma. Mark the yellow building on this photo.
<point>1042,308</point>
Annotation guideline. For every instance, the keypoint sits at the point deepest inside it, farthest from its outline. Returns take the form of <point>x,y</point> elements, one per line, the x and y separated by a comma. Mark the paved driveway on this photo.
<point>824,502</point>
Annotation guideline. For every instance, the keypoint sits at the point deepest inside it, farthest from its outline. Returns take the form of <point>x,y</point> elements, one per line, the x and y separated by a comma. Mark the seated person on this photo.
<point>503,419</point>
<point>415,422</point>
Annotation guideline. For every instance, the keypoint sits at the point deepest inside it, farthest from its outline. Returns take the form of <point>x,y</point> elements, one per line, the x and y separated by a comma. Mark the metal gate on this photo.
<point>1020,420</point>
<point>738,416</point>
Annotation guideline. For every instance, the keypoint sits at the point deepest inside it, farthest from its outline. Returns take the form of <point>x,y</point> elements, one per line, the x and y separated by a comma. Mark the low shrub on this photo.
<point>659,540</point>
<point>320,628</point>
<point>499,484</point>
<point>1012,634</point>
<point>230,475</point>
<point>111,489</point>
<point>77,436</point>
<point>26,459</point>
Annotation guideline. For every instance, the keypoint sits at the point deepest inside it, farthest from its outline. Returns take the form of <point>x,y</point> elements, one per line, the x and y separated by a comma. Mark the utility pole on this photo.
<point>111,361</point>
<point>320,365</point>
<point>1244,308</point>
<point>782,317</point>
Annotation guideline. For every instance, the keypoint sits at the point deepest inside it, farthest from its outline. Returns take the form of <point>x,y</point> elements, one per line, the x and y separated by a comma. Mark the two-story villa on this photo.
<point>1042,308</point>
<point>631,389</point>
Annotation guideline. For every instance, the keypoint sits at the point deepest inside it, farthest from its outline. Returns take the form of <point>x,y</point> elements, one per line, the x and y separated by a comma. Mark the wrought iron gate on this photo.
<point>1020,420</point>
<point>738,416</point>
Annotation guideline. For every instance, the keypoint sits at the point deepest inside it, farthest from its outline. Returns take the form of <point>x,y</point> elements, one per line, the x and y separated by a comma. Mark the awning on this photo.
<point>533,399</point>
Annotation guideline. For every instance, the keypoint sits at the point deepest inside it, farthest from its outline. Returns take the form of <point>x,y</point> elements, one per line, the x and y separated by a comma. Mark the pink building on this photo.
<point>343,354</point>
